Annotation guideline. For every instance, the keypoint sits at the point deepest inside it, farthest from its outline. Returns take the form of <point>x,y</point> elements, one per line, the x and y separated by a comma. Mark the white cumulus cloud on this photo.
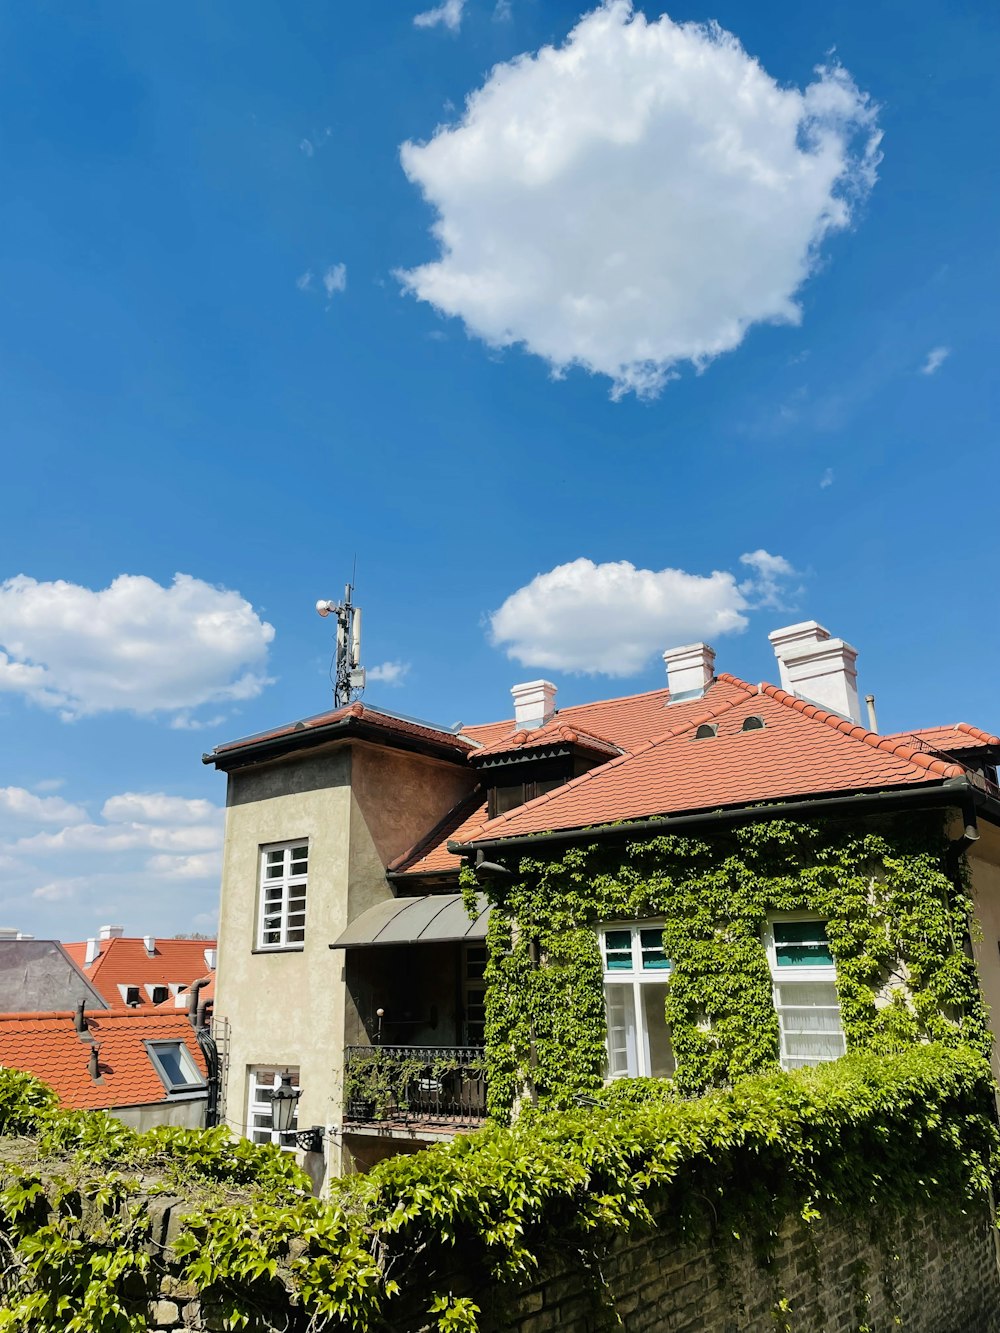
<point>135,645</point>
<point>335,279</point>
<point>389,673</point>
<point>638,197</point>
<point>157,808</point>
<point>936,358</point>
<point>17,803</point>
<point>449,14</point>
<point>610,619</point>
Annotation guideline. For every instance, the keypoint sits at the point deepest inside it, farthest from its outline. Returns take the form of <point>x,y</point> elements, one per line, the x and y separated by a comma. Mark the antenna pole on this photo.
<point>347,674</point>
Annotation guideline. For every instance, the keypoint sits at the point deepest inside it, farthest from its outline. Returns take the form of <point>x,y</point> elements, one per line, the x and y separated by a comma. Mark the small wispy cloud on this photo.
<point>335,279</point>
<point>311,144</point>
<point>307,147</point>
<point>304,280</point>
<point>936,358</point>
<point>449,14</point>
<point>501,13</point>
<point>826,479</point>
<point>389,673</point>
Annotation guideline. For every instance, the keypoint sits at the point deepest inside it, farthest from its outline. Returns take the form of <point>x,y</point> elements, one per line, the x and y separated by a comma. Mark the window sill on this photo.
<point>279,948</point>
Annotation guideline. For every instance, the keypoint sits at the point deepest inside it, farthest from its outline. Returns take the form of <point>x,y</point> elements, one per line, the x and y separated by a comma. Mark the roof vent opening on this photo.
<point>690,671</point>
<point>706,730</point>
<point>753,723</point>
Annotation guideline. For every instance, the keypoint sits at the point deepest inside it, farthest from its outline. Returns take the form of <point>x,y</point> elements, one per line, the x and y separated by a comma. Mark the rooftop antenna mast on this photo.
<point>347,673</point>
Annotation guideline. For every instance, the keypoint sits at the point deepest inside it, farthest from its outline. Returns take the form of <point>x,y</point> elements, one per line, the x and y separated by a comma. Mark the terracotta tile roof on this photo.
<point>47,1046</point>
<point>362,713</point>
<point>431,855</point>
<point>953,739</point>
<point>206,995</point>
<point>801,750</point>
<point>625,722</point>
<point>124,962</point>
<point>557,732</point>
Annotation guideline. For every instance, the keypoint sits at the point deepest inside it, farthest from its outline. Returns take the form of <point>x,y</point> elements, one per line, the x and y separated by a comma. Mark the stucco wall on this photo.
<point>984,865</point>
<point>359,806</point>
<point>188,1113</point>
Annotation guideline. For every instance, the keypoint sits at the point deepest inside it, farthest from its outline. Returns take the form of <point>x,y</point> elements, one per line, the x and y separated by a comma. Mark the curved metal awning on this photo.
<point>432,919</point>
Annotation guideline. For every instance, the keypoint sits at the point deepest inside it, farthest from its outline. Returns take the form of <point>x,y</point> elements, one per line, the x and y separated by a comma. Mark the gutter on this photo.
<point>953,791</point>
<point>276,747</point>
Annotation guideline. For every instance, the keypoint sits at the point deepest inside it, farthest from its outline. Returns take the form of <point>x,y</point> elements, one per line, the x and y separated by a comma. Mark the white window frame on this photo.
<point>194,1080</point>
<point>287,883</point>
<point>636,976</point>
<point>262,1082</point>
<point>795,974</point>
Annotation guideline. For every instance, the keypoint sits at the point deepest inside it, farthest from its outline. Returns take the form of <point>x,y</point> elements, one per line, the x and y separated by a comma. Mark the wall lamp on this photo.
<point>283,1103</point>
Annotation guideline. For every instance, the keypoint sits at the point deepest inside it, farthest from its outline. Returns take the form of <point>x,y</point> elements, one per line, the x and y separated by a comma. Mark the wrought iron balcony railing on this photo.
<point>431,1085</point>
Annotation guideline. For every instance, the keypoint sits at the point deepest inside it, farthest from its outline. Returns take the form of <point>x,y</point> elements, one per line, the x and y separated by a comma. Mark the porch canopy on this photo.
<point>433,919</point>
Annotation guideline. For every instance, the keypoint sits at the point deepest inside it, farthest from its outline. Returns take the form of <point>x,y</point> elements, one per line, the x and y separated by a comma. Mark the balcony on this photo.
<point>432,1087</point>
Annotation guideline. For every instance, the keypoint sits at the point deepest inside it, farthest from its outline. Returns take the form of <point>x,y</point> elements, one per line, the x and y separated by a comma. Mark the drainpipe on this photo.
<point>197,1016</point>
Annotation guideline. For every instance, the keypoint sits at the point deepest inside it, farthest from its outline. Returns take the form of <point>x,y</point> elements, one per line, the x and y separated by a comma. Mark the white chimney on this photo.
<point>93,952</point>
<point>150,943</point>
<point>9,933</point>
<point>689,671</point>
<point>111,932</point>
<point>534,704</point>
<point>211,958</point>
<point>816,667</point>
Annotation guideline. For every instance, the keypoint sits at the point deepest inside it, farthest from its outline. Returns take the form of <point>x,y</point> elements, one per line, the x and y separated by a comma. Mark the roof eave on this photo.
<point>950,791</point>
<point>348,728</point>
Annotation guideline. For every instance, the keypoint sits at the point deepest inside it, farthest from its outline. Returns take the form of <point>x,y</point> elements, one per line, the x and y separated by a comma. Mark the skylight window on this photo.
<point>175,1065</point>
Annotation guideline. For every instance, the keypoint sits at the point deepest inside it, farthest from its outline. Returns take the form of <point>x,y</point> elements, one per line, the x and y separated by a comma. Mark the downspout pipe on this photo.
<point>951,792</point>
<point>197,1016</point>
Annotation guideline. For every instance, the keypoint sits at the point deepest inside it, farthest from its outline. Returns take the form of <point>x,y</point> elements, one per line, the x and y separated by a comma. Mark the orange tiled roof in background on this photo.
<point>802,750</point>
<point>954,739</point>
<point>124,962</point>
<point>47,1045</point>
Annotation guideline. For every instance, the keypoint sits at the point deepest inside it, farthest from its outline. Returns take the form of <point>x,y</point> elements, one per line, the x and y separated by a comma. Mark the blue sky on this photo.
<point>641,355</point>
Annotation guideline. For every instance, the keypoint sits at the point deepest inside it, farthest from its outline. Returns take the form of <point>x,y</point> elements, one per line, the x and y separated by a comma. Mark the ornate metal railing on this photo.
<point>432,1085</point>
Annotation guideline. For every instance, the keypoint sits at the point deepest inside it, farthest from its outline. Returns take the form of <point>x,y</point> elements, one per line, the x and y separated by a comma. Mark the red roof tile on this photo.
<point>953,739</point>
<point>557,732</point>
<point>431,855</point>
<point>124,962</point>
<point>802,750</point>
<point>47,1046</point>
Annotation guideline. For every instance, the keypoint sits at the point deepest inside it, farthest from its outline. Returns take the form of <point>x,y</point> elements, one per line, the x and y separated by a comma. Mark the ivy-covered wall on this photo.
<point>893,892</point>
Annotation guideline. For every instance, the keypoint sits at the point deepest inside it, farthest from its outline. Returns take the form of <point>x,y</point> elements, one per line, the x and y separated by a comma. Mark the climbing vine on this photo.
<point>893,895</point>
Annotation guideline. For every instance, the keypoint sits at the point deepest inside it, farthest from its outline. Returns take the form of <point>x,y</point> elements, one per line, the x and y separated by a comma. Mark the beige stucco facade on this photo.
<point>358,806</point>
<point>984,868</point>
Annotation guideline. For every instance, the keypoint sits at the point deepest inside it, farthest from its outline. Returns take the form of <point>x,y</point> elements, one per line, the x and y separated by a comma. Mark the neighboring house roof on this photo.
<point>206,995</point>
<point>48,1046</point>
<point>125,962</point>
<point>956,738</point>
<point>39,976</point>
<point>356,720</point>
<point>802,750</point>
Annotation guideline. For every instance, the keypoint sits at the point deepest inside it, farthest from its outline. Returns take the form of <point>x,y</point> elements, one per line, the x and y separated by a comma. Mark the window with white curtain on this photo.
<point>636,972</point>
<point>804,976</point>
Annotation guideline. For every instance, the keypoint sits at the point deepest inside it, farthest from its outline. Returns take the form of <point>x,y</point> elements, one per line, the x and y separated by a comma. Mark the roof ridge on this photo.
<point>699,720</point>
<point>980,735</point>
<point>857,732</point>
<point>591,703</point>
<point>469,802</point>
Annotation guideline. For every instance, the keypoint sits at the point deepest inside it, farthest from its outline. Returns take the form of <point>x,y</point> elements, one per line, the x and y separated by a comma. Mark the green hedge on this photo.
<point>865,1135</point>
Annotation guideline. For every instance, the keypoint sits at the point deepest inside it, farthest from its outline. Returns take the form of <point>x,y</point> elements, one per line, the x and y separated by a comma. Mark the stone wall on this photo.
<point>934,1274</point>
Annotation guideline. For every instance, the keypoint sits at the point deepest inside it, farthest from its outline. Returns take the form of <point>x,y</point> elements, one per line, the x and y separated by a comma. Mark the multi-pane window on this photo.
<point>283,873</point>
<point>475,994</point>
<point>261,1086</point>
<point>175,1065</point>
<point>636,972</point>
<point>805,992</point>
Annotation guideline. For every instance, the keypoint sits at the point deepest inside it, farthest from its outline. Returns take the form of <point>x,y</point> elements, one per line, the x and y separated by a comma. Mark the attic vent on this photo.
<point>706,730</point>
<point>753,723</point>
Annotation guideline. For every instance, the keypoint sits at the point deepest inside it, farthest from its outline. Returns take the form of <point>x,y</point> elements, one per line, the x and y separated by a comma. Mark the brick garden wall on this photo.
<point>935,1274</point>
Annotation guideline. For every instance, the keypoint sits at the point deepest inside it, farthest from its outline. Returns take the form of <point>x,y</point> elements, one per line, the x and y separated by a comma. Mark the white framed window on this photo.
<point>262,1083</point>
<point>636,972</point>
<point>804,978</point>
<point>284,869</point>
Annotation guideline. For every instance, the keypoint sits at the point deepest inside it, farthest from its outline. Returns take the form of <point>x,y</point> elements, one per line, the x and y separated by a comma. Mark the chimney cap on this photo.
<point>534,703</point>
<point>111,932</point>
<point>690,670</point>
